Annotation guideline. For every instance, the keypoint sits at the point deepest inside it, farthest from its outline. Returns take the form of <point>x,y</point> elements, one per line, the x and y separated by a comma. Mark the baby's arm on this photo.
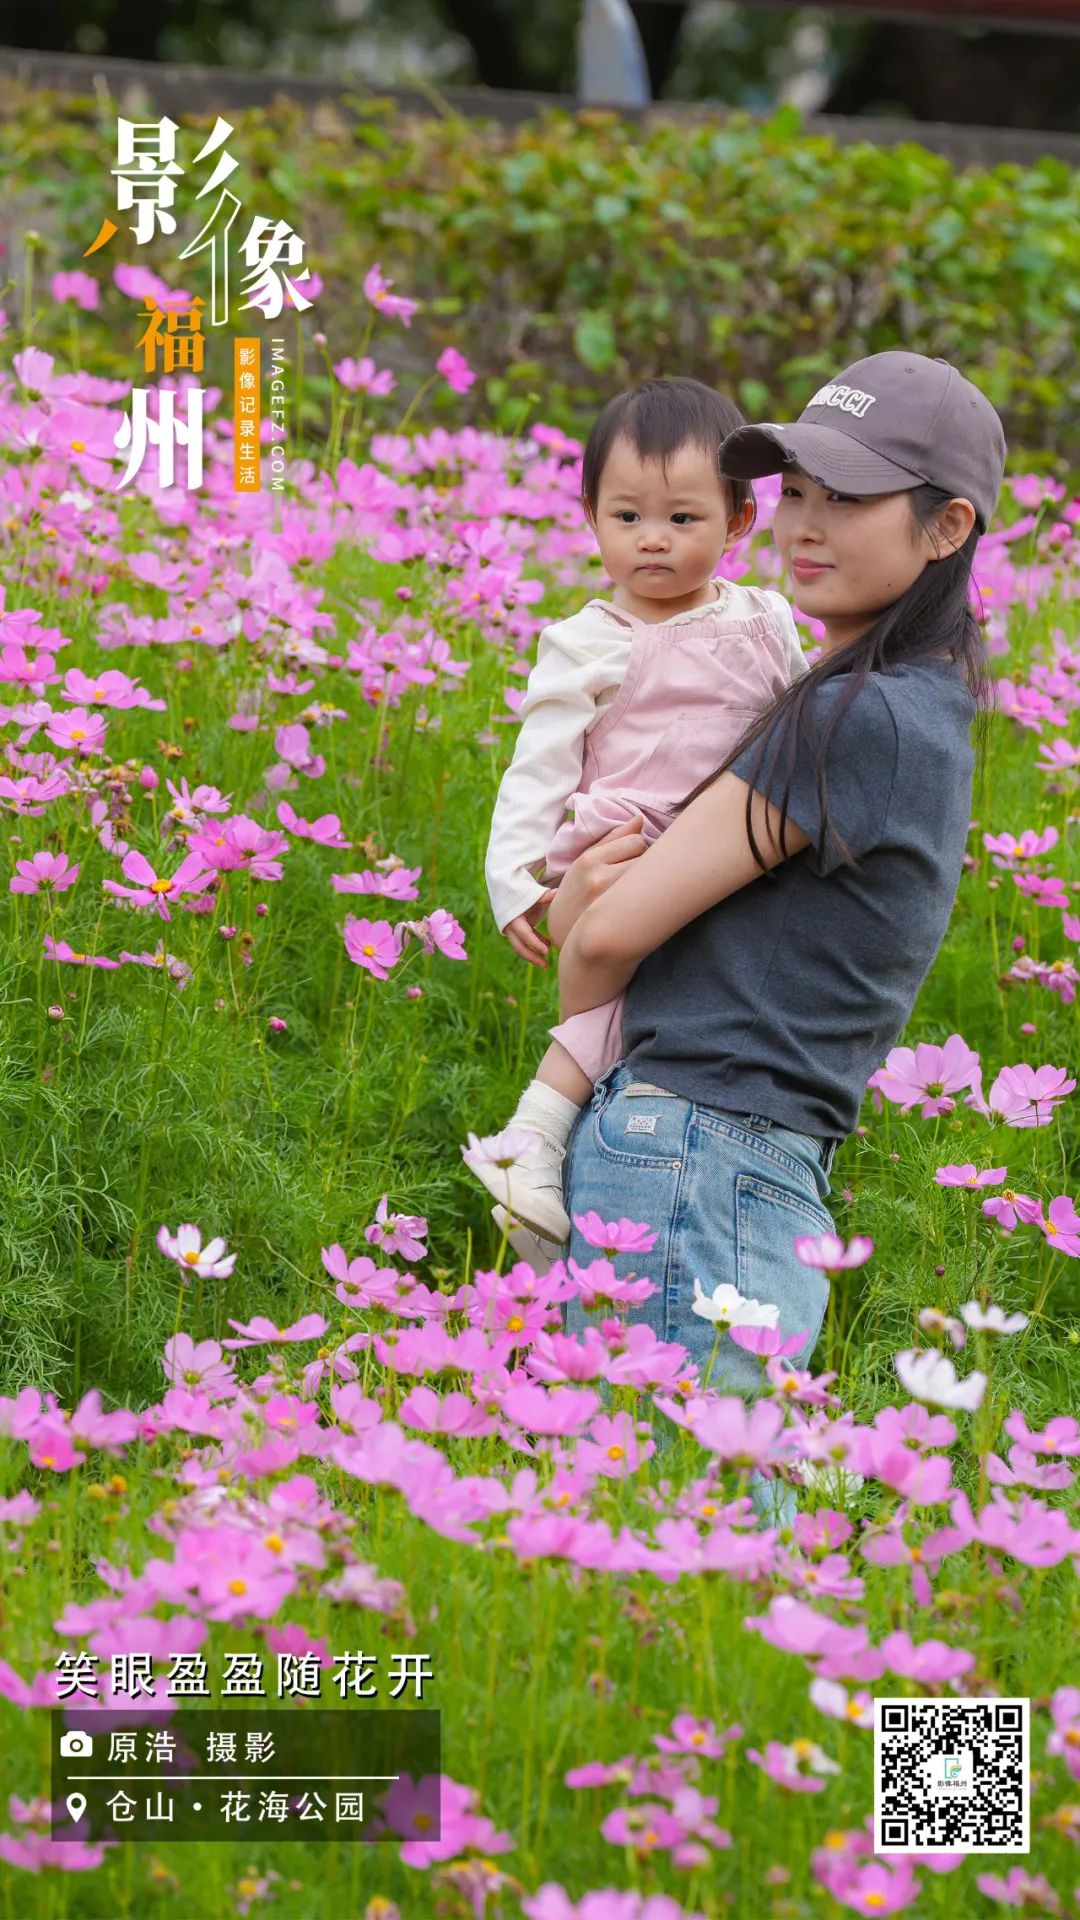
<point>575,662</point>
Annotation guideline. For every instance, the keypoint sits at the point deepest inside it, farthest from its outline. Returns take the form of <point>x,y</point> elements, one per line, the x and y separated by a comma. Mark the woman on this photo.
<point>772,942</point>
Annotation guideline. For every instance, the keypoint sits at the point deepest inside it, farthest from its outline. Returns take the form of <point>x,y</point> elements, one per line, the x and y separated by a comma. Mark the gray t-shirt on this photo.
<point>784,998</point>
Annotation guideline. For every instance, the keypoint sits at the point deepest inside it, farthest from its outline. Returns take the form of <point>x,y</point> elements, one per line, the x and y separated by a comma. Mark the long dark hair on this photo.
<point>659,417</point>
<point>934,616</point>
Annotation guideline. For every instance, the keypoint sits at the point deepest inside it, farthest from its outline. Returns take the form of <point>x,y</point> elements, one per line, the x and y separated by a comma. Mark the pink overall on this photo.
<point>692,684</point>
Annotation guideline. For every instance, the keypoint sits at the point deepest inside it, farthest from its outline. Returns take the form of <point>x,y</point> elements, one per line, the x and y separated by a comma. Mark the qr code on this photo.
<point>951,1776</point>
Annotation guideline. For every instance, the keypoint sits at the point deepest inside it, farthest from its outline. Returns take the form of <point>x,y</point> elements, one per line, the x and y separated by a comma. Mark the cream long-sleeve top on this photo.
<point>580,665</point>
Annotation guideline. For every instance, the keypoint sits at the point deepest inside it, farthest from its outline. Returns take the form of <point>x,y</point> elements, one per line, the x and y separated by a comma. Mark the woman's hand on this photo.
<point>592,873</point>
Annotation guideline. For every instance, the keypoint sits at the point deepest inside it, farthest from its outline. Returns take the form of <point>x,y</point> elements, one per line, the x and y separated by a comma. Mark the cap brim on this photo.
<point>830,458</point>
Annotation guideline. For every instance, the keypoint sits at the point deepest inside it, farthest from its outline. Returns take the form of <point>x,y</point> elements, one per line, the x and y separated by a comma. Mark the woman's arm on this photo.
<point>703,857</point>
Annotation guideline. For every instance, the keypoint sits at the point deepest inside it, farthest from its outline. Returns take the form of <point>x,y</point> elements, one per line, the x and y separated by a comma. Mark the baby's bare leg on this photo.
<point>558,1070</point>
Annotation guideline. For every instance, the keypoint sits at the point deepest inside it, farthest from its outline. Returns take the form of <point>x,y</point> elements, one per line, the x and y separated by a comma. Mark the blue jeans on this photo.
<point>726,1195</point>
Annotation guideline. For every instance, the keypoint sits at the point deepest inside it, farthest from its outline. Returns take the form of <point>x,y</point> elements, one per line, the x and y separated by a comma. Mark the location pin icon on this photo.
<point>76,1805</point>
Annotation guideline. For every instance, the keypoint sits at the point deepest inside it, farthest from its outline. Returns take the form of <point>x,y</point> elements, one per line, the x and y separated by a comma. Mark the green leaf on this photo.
<point>594,340</point>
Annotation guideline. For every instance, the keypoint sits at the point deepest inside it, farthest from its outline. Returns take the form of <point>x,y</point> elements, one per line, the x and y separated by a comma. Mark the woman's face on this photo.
<point>848,557</point>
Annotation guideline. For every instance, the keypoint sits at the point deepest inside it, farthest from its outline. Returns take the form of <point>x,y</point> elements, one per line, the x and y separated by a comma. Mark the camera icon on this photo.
<point>76,1746</point>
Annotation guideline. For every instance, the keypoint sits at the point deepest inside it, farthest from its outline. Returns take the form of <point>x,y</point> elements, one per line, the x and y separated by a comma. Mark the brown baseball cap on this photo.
<point>890,422</point>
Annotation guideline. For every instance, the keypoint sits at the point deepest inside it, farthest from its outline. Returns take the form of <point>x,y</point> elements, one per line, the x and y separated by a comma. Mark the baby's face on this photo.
<point>661,538</point>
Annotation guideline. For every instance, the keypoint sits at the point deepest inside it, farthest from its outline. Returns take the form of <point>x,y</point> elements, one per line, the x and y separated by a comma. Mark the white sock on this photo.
<point>548,1112</point>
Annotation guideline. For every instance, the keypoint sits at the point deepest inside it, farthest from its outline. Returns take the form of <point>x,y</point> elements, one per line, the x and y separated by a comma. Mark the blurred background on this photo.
<point>997,63</point>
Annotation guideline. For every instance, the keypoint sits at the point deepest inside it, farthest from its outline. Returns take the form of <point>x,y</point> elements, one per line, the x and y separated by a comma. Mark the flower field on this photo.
<point>273,1384</point>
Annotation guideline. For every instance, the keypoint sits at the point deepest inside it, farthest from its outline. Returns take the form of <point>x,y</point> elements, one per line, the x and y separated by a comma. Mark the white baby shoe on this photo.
<point>531,1189</point>
<point>540,1254</point>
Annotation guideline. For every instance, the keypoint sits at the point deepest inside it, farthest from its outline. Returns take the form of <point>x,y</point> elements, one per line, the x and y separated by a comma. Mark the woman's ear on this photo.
<point>950,528</point>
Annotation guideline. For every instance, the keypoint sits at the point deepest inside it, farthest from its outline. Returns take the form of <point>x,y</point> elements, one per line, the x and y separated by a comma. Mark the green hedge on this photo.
<point>569,255</point>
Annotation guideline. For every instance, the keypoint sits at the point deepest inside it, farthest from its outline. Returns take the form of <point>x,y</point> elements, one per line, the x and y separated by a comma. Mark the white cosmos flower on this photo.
<point>991,1319</point>
<point>186,1248</point>
<point>929,1376</point>
<point>727,1307</point>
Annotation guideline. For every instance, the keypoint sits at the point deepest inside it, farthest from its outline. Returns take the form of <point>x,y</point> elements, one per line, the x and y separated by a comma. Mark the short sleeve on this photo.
<point>860,768</point>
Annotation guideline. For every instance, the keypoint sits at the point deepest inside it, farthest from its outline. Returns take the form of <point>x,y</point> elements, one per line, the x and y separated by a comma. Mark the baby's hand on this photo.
<point>528,944</point>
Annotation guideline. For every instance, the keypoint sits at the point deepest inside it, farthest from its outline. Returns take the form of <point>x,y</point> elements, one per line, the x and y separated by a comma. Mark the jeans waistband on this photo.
<point>621,1075</point>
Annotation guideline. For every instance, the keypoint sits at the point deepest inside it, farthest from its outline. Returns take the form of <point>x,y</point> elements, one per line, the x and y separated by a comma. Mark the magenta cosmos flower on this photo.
<point>372,944</point>
<point>48,870</point>
<point>76,287</point>
<point>191,876</point>
<point>402,1233</point>
<point>966,1175</point>
<point>394,305</point>
<point>928,1074</point>
<point>615,1236</point>
<point>1026,1096</point>
<point>455,370</point>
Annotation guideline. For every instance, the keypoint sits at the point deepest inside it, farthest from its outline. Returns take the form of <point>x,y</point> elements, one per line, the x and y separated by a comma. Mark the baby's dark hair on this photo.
<point>659,417</point>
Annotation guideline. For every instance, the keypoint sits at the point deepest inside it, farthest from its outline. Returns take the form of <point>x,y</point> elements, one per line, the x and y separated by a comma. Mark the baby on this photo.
<point>631,703</point>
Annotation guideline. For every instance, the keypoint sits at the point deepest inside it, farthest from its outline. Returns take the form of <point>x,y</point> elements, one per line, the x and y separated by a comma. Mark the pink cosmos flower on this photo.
<point>614,1447</point>
<point>1047,890</point>
<point>767,1342</point>
<point>1019,1888</point>
<point>800,1766</point>
<point>1058,757</point>
<point>43,870</point>
<point>1060,1435</point>
<point>747,1436</point>
<point>261,1332</point>
<point>455,370</point>
<point>402,1233</point>
<point>191,876</point>
<point>196,1364</point>
<point>1026,1096</point>
<point>362,376</point>
<point>186,1248</point>
<point>377,290</point>
<point>77,287</point>
<point>878,1887</point>
<point>828,1251</point>
<point>79,731</point>
<point>615,1236</point>
<point>399,884</point>
<point>934,1320</point>
<point>690,1735</point>
<point>1065,1739</point>
<point>137,282</point>
<point>927,1073</point>
<point>1006,849</point>
<point>110,688</point>
<point>552,1902</point>
<point>599,1284</point>
<point>411,1808</point>
<point>439,932</point>
<point>241,844</point>
<point>372,944</point>
<point>1008,1207</point>
<point>454,1413</point>
<point>556,1410</point>
<point>498,1149</point>
<point>1061,1225</point>
<point>325,831</point>
<point>966,1175</point>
